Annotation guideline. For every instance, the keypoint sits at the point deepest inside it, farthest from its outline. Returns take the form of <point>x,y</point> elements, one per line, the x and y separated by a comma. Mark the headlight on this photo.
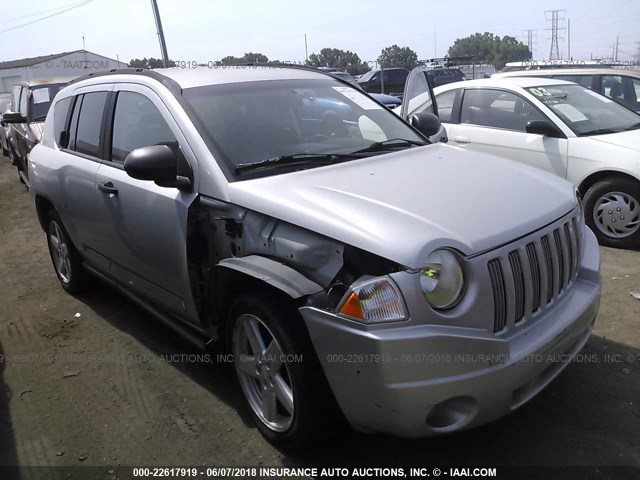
<point>442,280</point>
<point>373,301</point>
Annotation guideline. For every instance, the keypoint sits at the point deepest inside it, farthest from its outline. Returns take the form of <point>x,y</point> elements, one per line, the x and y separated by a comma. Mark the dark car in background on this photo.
<point>30,102</point>
<point>392,78</point>
<point>442,76</point>
<point>5,106</point>
<point>388,101</point>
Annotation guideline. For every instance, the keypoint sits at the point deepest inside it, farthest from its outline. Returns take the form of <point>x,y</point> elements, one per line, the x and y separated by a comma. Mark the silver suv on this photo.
<point>350,267</point>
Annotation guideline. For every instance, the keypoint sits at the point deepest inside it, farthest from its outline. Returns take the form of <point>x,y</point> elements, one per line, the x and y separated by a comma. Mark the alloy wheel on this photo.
<point>264,376</point>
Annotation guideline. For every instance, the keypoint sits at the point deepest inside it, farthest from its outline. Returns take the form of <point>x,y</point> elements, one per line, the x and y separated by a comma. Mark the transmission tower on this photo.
<point>531,34</point>
<point>555,17</point>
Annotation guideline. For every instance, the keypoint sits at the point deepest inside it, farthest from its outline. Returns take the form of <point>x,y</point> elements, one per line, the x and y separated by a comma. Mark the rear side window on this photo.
<point>89,123</point>
<point>137,123</point>
<point>584,80</point>
<point>60,115</point>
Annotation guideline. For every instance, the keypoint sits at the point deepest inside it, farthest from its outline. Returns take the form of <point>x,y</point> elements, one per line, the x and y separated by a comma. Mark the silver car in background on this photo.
<point>350,267</point>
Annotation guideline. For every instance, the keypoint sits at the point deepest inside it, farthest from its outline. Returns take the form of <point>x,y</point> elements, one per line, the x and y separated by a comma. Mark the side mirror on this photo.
<point>157,163</point>
<point>543,127</point>
<point>426,123</point>
<point>11,117</point>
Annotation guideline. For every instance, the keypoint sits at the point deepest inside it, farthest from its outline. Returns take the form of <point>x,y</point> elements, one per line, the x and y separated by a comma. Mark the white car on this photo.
<point>557,126</point>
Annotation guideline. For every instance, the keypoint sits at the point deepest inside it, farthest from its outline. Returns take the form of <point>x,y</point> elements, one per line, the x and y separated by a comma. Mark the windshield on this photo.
<point>41,98</point>
<point>586,112</point>
<point>249,122</point>
<point>367,76</point>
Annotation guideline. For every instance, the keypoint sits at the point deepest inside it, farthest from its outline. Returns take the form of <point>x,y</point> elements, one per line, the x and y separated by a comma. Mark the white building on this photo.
<point>66,64</point>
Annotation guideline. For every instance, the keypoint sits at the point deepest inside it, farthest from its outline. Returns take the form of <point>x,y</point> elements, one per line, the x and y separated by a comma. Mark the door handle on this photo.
<point>461,140</point>
<point>107,187</point>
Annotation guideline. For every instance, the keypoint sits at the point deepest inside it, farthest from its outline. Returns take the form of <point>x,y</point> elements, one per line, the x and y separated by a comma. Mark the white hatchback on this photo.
<point>560,127</point>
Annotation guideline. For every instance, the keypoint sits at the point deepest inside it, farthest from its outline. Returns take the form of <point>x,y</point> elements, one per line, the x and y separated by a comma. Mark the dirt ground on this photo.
<point>96,381</point>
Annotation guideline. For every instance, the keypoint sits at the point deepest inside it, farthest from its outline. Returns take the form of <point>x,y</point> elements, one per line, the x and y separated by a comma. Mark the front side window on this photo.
<point>584,111</point>
<point>255,121</point>
<point>137,123</point>
<point>90,123</point>
<point>497,109</point>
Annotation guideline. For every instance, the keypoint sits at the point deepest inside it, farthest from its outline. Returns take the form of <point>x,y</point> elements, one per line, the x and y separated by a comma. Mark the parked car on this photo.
<point>30,100</point>
<point>442,76</point>
<point>621,85</point>
<point>394,80</point>
<point>560,127</point>
<point>4,130</point>
<point>345,270</point>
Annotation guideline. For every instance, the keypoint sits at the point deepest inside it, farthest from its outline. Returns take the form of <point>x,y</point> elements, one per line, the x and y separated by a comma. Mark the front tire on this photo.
<point>279,374</point>
<point>612,211</point>
<point>64,256</point>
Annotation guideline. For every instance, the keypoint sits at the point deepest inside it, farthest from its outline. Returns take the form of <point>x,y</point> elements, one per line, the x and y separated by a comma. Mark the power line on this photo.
<point>44,18</point>
<point>9,20</point>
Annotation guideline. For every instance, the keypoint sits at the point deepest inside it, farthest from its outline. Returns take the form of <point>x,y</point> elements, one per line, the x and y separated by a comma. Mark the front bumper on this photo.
<point>420,380</point>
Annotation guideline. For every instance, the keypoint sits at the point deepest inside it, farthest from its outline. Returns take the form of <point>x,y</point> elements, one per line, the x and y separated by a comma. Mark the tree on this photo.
<point>395,56</point>
<point>489,48</point>
<point>249,57</point>
<point>149,63</point>
<point>336,58</point>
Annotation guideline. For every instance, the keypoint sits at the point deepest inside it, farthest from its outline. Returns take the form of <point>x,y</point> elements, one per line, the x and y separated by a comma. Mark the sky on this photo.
<point>207,30</point>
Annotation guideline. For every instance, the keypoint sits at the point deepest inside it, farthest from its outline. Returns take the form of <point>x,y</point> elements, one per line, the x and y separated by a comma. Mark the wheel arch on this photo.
<point>233,276</point>
<point>596,177</point>
<point>43,207</point>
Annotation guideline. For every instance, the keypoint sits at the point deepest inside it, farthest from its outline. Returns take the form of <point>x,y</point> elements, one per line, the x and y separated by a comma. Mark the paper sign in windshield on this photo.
<point>41,95</point>
<point>570,112</point>
<point>358,98</point>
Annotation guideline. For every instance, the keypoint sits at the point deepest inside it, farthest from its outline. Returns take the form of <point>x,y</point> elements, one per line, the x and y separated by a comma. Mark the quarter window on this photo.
<point>23,101</point>
<point>137,123</point>
<point>445,104</point>
<point>90,123</point>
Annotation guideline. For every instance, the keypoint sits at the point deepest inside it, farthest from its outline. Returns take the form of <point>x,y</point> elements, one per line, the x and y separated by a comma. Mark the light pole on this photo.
<point>163,45</point>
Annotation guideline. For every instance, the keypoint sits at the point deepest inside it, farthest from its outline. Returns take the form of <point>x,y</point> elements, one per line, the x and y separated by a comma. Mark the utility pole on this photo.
<point>615,57</point>
<point>163,45</point>
<point>306,51</point>
<point>569,38</point>
<point>530,40</point>
<point>435,44</point>
<point>555,17</point>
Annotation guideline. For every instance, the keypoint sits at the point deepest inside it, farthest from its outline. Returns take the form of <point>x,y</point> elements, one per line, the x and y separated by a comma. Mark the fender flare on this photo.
<point>273,273</point>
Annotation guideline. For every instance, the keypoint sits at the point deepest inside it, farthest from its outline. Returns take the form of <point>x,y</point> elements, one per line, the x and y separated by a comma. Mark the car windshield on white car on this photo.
<point>265,128</point>
<point>586,112</point>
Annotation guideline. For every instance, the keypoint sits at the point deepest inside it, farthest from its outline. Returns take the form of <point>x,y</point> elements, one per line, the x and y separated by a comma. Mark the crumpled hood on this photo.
<point>403,205</point>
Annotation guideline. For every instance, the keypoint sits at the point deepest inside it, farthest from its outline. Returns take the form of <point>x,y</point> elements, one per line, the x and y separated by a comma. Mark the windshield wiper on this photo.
<point>598,131</point>
<point>635,126</point>
<point>390,144</point>
<point>296,159</point>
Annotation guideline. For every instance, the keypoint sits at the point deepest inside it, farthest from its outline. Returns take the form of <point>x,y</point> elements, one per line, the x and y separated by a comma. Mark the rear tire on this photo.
<point>66,260</point>
<point>288,398</point>
<point>612,211</point>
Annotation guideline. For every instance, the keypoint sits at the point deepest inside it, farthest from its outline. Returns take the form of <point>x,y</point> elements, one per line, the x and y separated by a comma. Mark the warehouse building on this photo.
<point>66,64</point>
